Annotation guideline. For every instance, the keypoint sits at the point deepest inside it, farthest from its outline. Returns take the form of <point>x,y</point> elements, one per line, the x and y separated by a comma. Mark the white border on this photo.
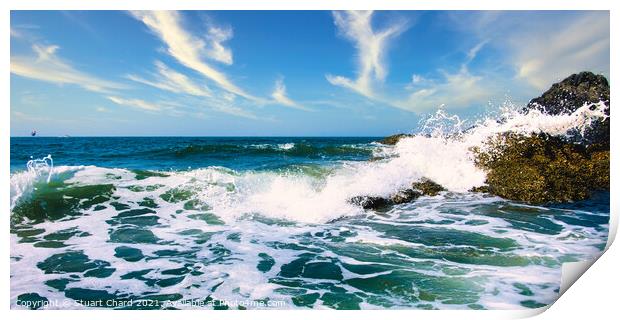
<point>593,295</point>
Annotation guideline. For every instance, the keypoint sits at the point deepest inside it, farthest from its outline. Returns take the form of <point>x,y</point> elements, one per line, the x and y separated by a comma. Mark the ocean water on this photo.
<point>176,222</point>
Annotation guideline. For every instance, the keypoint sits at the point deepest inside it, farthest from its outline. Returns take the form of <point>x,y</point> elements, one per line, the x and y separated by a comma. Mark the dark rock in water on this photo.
<point>428,187</point>
<point>393,139</point>
<point>481,189</point>
<point>572,93</point>
<point>367,202</point>
<point>542,168</point>
<point>424,187</point>
<point>405,196</point>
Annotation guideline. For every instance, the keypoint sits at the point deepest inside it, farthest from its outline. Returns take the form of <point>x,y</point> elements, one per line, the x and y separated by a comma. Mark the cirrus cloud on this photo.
<point>190,50</point>
<point>371,45</point>
<point>46,66</point>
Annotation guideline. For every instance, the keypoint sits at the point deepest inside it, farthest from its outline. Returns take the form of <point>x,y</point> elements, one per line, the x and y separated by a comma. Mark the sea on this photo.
<point>267,223</point>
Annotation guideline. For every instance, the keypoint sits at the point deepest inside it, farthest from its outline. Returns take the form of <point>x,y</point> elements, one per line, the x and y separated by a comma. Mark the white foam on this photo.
<point>443,156</point>
<point>286,146</point>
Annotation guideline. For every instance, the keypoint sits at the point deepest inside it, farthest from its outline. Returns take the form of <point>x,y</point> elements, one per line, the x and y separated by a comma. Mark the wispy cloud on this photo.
<point>173,81</point>
<point>556,51</point>
<point>371,45</point>
<point>192,51</point>
<point>229,108</point>
<point>458,89</point>
<point>451,90</point>
<point>543,47</point>
<point>135,103</point>
<point>45,65</point>
<point>216,50</point>
<point>280,97</point>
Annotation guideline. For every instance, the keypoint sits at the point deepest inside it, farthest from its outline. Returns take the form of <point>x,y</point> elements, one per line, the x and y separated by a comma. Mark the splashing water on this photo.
<point>441,124</point>
<point>37,166</point>
<point>284,228</point>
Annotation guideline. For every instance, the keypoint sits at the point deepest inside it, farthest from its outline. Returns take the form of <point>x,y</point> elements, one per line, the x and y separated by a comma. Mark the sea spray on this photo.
<point>443,153</point>
<point>37,166</point>
<point>288,233</point>
<point>22,183</point>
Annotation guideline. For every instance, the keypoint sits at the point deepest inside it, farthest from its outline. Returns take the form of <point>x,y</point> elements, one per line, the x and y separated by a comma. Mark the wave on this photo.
<point>306,150</point>
<point>316,194</point>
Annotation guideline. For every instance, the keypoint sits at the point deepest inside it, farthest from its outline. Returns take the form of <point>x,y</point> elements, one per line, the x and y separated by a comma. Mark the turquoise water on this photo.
<point>172,222</point>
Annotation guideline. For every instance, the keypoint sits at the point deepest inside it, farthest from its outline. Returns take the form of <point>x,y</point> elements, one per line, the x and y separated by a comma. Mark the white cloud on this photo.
<point>189,50</point>
<point>279,96</point>
<point>229,108</point>
<point>453,90</point>
<point>557,51</point>
<point>371,46</point>
<point>173,81</point>
<point>460,89</point>
<point>47,66</point>
<point>543,47</point>
<point>216,51</point>
<point>416,81</point>
<point>473,52</point>
<point>135,103</point>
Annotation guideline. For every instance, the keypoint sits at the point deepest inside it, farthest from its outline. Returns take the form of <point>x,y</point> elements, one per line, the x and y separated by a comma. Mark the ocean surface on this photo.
<point>176,222</point>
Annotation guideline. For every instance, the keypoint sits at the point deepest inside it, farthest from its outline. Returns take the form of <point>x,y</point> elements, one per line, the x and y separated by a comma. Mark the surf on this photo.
<point>288,232</point>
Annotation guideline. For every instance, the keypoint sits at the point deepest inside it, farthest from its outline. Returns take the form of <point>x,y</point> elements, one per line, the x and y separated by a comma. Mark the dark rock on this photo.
<point>541,168</point>
<point>393,139</point>
<point>367,202</point>
<point>405,196</point>
<point>424,187</point>
<point>428,187</point>
<point>572,93</point>
<point>481,189</point>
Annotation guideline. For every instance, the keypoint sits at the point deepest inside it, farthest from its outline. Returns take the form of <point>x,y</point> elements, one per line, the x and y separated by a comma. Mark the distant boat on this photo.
<point>33,133</point>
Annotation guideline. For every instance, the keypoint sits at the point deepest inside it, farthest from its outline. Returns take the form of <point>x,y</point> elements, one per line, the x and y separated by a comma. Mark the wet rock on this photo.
<point>405,196</point>
<point>542,168</point>
<point>427,187</point>
<point>481,189</point>
<point>424,187</point>
<point>368,202</point>
<point>572,93</point>
<point>393,139</point>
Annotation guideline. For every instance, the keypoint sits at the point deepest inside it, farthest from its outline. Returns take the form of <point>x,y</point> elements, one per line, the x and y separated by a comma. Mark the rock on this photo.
<point>405,196</point>
<point>368,202</point>
<point>481,189</point>
<point>425,187</point>
<point>542,168</point>
<point>428,187</point>
<point>393,139</point>
<point>572,93</point>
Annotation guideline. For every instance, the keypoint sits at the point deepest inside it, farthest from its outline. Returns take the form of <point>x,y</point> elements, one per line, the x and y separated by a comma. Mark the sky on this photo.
<point>286,73</point>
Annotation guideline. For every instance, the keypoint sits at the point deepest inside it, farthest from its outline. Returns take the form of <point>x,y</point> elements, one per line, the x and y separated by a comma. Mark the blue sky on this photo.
<point>285,73</point>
